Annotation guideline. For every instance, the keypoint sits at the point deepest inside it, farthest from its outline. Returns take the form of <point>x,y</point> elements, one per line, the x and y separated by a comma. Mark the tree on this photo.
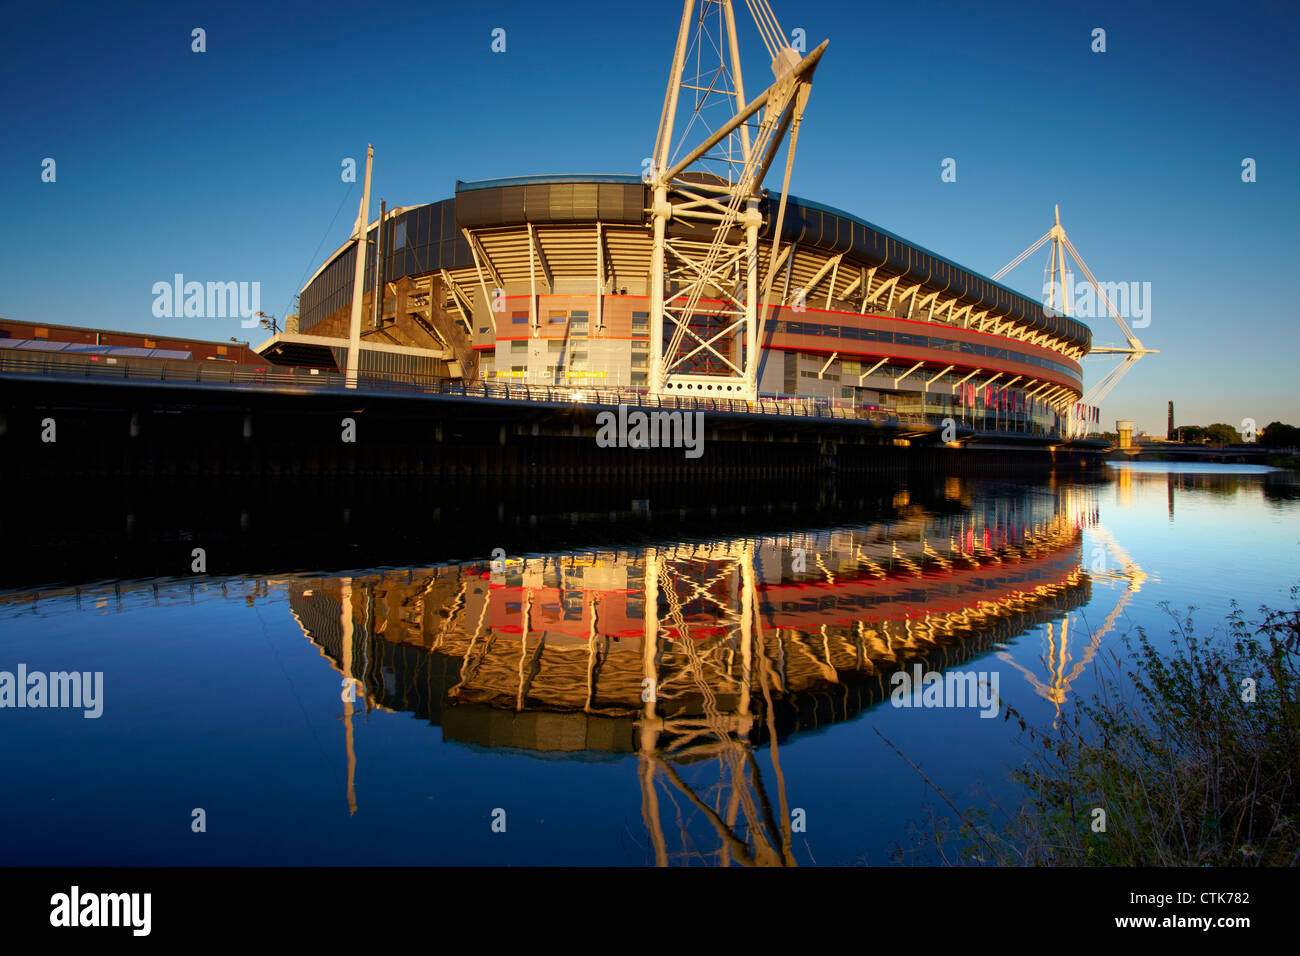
<point>1221,434</point>
<point>1278,435</point>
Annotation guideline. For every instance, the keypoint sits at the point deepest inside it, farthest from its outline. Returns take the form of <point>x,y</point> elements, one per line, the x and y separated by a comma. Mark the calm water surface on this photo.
<point>393,713</point>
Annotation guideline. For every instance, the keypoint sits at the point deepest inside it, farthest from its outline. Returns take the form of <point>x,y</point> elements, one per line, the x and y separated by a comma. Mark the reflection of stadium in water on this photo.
<point>752,639</point>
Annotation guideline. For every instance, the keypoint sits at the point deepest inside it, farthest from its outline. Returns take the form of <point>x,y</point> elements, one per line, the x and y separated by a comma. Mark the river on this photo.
<point>421,676</point>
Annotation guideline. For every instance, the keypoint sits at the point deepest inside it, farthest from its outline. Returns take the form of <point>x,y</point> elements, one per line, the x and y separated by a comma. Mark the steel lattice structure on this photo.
<point>686,272</point>
<point>1057,278</point>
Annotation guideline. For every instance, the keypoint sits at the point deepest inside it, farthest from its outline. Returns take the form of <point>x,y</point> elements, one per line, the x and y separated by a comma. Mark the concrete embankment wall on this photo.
<point>64,430</point>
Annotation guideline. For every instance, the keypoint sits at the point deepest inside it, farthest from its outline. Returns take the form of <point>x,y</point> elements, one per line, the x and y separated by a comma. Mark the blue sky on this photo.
<point>225,165</point>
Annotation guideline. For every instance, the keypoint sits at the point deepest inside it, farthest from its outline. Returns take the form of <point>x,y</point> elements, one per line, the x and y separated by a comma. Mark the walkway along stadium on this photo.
<point>510,315</point>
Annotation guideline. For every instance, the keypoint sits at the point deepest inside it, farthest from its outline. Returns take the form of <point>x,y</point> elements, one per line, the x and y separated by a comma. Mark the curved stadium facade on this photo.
<point>546,281</point>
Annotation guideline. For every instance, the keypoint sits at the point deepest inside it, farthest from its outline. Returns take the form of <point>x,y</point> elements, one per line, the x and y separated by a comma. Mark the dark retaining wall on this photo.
<point>148,430</point>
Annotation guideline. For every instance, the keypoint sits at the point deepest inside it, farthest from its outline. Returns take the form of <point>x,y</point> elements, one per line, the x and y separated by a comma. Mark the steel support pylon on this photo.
<point>704,280</point>
<point>1058,282</point>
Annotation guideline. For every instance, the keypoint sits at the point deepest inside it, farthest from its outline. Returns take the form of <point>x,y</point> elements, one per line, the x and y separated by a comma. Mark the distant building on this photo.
<point>38,337</point>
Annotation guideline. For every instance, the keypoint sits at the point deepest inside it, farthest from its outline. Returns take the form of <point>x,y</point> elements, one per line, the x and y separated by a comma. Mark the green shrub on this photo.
<point>1192,752</point>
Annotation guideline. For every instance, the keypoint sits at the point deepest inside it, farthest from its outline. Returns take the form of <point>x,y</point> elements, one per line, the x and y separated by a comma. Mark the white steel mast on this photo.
<point>358,282</point>
<point>1078,426</point>
<point>716,187</point>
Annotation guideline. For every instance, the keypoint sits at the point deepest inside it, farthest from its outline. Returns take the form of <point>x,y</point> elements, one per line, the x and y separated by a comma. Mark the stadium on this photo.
<point>862,316</point>
<point>692,280</point>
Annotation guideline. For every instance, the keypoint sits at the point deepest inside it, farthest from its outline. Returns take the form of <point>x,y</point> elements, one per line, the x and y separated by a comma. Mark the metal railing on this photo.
<point>221,373</point>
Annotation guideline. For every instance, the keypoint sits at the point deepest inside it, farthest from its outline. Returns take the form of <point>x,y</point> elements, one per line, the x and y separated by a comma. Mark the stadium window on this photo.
<point>555,345</point>
<point>519,318</point>
<point>519,345</point>
<point>639,378</point>
<point>399,235</point>
<point>557,317</point>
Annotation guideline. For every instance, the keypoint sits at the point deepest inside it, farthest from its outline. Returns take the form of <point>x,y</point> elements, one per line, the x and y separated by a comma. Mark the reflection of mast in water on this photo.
<point>349,684</point>
<point>1057,658</point>
<point>691,738</point>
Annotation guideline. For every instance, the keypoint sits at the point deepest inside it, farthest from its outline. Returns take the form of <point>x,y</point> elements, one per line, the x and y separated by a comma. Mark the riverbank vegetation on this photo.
<point>1188,754</point>
<point>1283,461</point>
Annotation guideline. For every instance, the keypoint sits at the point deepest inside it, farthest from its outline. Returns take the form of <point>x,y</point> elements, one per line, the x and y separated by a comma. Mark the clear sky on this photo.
<point>225,165</point>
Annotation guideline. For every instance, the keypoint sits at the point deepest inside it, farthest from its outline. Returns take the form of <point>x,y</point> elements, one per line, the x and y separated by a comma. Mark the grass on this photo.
<point>1190,752</point>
